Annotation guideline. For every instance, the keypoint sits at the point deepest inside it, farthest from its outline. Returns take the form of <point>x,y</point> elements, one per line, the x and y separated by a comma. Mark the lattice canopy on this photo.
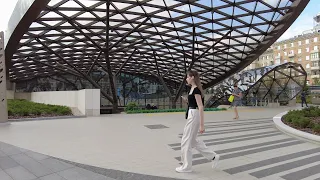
<point>158,38</point>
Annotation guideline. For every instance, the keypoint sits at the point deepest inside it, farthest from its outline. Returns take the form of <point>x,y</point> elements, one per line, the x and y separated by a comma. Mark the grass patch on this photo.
<point>22,109</point>
<point>137,111</point>
<point>308,99</point>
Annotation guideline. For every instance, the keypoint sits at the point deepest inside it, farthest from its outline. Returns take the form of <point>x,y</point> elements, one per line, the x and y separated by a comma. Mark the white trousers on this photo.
<point>190,140</point>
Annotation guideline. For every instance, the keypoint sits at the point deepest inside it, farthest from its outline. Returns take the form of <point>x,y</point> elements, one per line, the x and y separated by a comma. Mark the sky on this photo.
<point>302,23</point>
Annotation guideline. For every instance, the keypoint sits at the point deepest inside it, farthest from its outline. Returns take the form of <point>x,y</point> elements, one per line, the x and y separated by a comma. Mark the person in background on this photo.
<point>237,100</point>
<point>303,98</point>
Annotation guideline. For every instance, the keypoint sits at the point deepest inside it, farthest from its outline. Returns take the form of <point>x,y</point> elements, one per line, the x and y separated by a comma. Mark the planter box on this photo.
<point>294,132</point>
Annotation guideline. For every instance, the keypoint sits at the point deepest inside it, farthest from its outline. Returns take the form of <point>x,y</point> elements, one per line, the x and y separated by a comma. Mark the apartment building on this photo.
<point>266,59</point>
<point>302,49</point>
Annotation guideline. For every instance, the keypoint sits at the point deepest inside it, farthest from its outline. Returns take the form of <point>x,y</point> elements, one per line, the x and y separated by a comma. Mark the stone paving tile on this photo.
<point>31,165</point>
<point>78,174</point>
<point>90,174</point>
<point>9,149</point>
<point>37,166</point>
<point>6,163</point>
<point>2,154</point>
<point>36,156</point>
<point>21,158</point>
<point>20,173</point>
<point>51,177</point>
<point>55,165</point>
<point>4,176</point>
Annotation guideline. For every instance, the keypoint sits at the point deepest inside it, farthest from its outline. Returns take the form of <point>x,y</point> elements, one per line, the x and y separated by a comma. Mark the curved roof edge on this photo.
<point>296,9</point>
<point>24,13</point>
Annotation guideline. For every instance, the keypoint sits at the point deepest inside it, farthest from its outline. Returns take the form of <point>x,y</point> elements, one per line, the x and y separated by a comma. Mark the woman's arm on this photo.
<point>201,111</point>
<point>238,95</point>
<point>184,99</point>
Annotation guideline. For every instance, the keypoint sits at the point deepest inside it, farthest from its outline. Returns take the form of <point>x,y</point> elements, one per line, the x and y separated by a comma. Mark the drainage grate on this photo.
<point>156,126</point>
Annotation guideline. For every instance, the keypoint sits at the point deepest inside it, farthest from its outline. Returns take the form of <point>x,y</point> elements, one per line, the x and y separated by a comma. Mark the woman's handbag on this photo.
<point>231,98</point>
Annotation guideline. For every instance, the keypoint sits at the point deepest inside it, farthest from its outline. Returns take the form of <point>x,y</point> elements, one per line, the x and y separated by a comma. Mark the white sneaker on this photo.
<point>215,161</point>
<point>180,170</point>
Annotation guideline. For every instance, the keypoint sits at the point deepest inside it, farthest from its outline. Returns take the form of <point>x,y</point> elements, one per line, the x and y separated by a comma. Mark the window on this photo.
<point>291,52</point>
<point>278,61</point>
<point>315,48</point>
<point>262,57</point>
<point>285,61</point>
<point>315,56</point>
<point>308,66</point>
<point>315,64</point>
<point>307,49</point>
<point>299,59</point>
<point>307,58</point>
<point>285,53</point>
<point>299,51</point>
<point>285,45</point>
<point>279,47</point>
<point>299,43</point>
<point>267,57</point>
<point>315,39</point>
<point>292,45</point>
<point>307,41</point>
<point>291,59</point>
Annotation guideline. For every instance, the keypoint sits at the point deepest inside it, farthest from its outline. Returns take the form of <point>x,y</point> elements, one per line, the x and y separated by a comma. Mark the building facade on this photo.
<point>302,49</point>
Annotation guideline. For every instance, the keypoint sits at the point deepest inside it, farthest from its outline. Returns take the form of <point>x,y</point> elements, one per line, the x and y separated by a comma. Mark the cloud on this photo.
<point>272,2</point>
<point>302,24</point>
<point>5,13</point>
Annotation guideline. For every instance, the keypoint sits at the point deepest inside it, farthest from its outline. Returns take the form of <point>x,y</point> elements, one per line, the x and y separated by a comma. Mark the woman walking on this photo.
<point>237,100</point>
<point>195,123</point>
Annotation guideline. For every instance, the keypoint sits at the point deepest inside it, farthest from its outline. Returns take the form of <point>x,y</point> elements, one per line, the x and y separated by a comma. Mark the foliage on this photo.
<point>316,128</point>
<point>131,106</point>
<point>169,110</point>
<point>308,98</point>
<point>316,81</point>
<point>302,118</point>
<point>21,107</point>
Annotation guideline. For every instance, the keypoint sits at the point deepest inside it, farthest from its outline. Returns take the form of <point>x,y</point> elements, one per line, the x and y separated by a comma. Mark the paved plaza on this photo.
<point>146,147</point>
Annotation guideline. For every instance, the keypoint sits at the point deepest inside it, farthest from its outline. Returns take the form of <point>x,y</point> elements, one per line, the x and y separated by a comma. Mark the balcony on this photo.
<point>315,68</point>
<point>291,55</point>
<point>315,76</point>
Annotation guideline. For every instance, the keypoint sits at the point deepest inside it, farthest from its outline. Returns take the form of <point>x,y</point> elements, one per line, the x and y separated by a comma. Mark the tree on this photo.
<point>316,81</point>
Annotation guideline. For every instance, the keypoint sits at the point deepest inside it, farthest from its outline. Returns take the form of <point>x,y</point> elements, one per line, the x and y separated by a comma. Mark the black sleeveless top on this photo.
<point>192,102</point>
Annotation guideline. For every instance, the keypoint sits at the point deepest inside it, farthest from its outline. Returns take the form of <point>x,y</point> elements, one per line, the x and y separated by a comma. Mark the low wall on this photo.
<point>87,101</point>
<point>315,101</point>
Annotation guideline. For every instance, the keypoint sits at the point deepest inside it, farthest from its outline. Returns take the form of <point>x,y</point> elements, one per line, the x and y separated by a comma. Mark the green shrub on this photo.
<point>293,114</point>
<point>311,125</point>
<point>169,110</point>
<point>312,111</point>
<point>304,122</point>
<point>308,98</point>
<point>301,122</point>
<point>26,108</point>
<point>131,106</point>
<point>316,128</point>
